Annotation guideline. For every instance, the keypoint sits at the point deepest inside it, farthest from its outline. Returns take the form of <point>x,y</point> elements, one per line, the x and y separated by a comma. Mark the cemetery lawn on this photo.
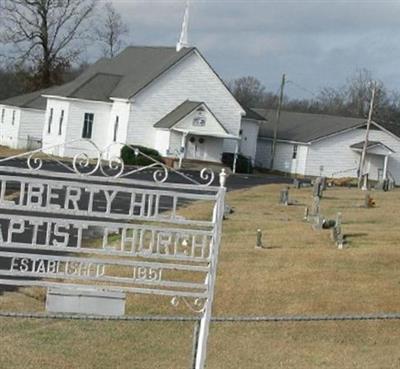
<point>300,272</point>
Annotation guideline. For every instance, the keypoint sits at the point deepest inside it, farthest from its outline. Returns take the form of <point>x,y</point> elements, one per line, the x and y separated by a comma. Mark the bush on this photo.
<point>243,164</point>
<point>129,157</point>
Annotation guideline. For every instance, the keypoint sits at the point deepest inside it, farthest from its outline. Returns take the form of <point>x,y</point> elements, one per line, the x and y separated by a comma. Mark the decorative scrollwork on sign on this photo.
<point>197,306</point>
<point>161,174</point>
<point>114,164</point>
<point>90,160</point>
<point>81,162</point>
<point>207,175</point>
<point>34,163</point>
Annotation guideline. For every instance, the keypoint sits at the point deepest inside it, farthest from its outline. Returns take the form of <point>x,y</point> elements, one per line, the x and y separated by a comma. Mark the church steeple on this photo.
<point>183,39</point>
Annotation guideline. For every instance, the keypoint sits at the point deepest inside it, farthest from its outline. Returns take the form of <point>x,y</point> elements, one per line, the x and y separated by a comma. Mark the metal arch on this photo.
<point>81,163</point>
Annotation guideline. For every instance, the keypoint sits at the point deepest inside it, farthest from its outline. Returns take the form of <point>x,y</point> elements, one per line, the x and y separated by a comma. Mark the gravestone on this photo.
<point>284,196</point>
<point>318,222</point>
<point>336,231</point>
<point>315,206</point>
<point>259,243</point>
<point>306,213</point>
<point>319,186</point>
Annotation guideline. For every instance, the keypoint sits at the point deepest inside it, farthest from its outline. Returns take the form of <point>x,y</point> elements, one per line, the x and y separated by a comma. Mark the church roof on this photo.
<point>304,127</point>
<point>32,100</point>
<point>309,127</point>
<point>124,75</point>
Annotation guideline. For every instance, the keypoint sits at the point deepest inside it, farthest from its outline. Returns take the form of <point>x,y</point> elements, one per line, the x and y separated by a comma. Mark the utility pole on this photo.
<point>364,151</point>
<point>277,118</point>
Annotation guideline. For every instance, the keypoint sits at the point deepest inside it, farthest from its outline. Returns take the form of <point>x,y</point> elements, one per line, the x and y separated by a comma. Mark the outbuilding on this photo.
<point>21,120</point>
<point>317,144</point>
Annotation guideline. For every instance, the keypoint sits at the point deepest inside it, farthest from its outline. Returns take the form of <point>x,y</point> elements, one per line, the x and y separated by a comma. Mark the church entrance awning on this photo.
<point>194,118</point>
<point>373,147</point>
<point>206,134</point>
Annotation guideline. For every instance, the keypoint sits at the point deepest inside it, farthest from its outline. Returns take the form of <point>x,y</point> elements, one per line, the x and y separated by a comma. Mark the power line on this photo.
<point>305,89</point>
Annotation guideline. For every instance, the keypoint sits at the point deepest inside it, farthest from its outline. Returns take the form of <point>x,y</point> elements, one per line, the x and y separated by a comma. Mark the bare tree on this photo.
<point>248,91</point>
<point>41,34</point>
<point>332,100</point>
<point>111,31</point>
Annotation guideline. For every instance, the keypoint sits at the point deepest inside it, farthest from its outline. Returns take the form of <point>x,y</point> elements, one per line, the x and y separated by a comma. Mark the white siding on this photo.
<point>248,144</point>
<point>191,79</point>
<point>74,113</point>
<point>9,131</point>
<point>263,153</point>
<point>53,142</point>
<point>284,161</point>
<point>122,110</point>
<point>283,158</point>
<point>162,143</point>
<point>338,159</point>
<point>31,124</point>
<point>301,162</point>
<point>175,141</point>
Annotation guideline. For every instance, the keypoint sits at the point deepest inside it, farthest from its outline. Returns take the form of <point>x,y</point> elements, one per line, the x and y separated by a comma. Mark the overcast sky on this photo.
<point>316,43</point>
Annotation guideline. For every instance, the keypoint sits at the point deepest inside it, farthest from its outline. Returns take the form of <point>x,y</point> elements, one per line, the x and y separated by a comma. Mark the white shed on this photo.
<point>21,120</point>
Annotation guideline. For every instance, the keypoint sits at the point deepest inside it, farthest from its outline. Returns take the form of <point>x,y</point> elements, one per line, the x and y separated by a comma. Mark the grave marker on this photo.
<point>259,244</point>
<point>284,196</point>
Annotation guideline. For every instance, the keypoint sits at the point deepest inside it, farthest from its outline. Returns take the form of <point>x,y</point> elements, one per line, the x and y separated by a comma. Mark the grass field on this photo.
<point>300,272</point>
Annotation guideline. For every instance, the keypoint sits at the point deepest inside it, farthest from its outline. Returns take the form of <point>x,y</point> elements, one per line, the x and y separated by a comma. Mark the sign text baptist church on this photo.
<point>71,230</point>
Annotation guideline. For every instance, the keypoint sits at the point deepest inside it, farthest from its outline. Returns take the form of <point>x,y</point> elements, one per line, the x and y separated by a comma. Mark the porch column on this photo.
<point>182,150</point>
<point>385,166</point>
<point>235,156</point>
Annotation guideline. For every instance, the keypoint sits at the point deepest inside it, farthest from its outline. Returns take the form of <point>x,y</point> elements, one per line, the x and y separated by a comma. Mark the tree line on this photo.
<point>41,41</point>
<point>352,99</point>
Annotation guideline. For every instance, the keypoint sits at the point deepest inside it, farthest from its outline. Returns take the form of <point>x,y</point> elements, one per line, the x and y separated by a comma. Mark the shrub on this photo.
<point>129,157</point>
<point>243,164</point>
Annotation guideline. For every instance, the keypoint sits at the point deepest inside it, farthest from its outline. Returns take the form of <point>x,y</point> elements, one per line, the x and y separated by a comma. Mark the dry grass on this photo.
<point>7,151</point>
<point>301,272</point>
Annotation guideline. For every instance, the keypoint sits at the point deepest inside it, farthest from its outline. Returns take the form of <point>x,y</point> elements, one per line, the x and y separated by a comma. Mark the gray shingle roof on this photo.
<point>251,114</point>
<point>32,100</point>
<point>392,127</point>
<point>124,75</point>
<point>177,114</point>
<point>304,127</point>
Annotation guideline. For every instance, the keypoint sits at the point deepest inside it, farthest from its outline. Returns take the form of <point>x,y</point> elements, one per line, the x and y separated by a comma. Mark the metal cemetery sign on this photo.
<point>94,223</point>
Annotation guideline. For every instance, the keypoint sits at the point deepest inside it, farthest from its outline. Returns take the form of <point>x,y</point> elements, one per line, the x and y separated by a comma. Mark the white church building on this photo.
<point>166,98</point>
<point>156,97</point>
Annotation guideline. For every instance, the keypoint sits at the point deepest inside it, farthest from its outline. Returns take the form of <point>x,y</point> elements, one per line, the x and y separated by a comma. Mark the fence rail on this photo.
<point>215,319</point>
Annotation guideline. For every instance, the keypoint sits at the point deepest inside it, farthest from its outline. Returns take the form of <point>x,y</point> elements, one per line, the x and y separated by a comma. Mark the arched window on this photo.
<point>116,128</point>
